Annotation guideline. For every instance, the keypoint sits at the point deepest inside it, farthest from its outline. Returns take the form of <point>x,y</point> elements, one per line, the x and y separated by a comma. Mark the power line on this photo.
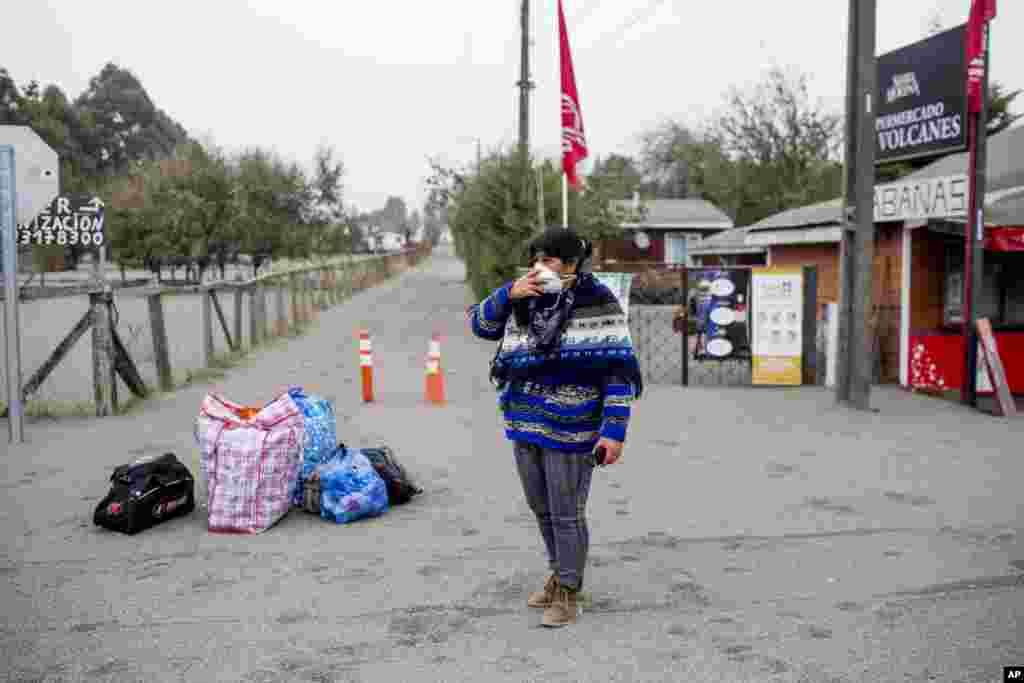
<point>636,18</point>
<point>582,15</point>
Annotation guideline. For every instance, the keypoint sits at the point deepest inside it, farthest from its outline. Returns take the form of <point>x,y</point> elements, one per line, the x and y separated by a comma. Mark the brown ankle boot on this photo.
<point>562,610</point>
<point>542,599</point>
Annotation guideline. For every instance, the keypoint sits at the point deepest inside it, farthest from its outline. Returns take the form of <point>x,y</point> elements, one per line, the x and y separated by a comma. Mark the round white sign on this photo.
<point>719,347</point>
<point>722,287</point>
<point>723,316</point>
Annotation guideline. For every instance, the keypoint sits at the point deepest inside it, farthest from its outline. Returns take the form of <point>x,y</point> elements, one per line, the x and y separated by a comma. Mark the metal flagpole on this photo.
<point>540,199</point>
<point>565,200</point>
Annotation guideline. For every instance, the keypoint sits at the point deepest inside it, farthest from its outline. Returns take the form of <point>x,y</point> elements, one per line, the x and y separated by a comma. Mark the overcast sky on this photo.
<point>389,82</point>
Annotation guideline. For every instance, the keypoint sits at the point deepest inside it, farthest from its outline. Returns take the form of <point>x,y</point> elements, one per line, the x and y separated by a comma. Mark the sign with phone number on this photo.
<point>75,220</point>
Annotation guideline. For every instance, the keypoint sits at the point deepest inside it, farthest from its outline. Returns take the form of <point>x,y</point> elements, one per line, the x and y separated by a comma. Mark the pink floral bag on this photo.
<point>250,459</point>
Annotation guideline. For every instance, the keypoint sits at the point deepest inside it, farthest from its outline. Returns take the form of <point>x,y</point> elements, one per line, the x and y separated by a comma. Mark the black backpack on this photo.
<point>399,484</point>
<point>146,493</point>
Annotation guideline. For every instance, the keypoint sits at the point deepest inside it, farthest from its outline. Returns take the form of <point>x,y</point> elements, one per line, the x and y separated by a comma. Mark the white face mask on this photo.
<point>548,279</point>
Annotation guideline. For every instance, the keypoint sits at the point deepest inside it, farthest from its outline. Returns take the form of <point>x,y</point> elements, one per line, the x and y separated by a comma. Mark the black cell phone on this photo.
<point>599,455</point>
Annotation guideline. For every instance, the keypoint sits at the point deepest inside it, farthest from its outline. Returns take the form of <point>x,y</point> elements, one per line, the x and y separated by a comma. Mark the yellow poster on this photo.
<point>777,371</point>
<point>777,339</point>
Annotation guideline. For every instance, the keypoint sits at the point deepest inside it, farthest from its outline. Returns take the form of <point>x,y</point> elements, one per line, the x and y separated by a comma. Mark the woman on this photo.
<point>566,373</point>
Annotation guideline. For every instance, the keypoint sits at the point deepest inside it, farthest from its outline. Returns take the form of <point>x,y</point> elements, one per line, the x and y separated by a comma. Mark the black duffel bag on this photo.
<point>146,493</point>
<point>400,486</point>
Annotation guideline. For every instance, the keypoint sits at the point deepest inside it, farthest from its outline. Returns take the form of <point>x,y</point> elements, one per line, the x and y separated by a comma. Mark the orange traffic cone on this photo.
<point>366,365</point>
<point>435,380</point>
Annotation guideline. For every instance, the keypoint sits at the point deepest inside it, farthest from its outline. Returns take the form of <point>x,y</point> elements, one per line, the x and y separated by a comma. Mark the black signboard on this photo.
<point>70,220</point>
<point>719,305</point>
<point>922,99</point>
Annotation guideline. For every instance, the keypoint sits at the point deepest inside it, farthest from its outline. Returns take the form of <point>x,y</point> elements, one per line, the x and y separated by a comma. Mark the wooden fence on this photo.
<point>305,291</point>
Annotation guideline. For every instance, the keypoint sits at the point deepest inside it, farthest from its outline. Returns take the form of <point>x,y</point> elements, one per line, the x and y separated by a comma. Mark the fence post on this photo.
<point>310,297</point>
<point>282,309</point>
<point>318,290</point>
<point>293,285</point>
<point>204,296</point>
<point>102,359</point>
<point>254,316</point>
<point>238,317</point>
<point>264,333</point>
<point>158,331</point>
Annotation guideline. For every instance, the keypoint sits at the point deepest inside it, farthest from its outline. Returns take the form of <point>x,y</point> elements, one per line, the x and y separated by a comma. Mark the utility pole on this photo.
<point>524,82</point>
<point>854,368</point>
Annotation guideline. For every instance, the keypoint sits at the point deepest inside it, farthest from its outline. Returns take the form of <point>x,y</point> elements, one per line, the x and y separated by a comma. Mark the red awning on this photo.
<point>1004,239</point>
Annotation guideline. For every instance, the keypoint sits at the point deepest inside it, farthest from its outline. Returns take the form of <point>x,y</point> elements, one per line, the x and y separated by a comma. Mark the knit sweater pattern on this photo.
<point>554,411</point>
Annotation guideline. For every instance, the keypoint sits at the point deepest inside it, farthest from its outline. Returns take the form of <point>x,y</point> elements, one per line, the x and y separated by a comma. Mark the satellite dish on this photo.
<point>641,240</point>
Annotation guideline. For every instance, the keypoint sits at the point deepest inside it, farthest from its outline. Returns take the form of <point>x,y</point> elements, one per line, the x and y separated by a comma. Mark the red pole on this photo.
<point>970,230</point>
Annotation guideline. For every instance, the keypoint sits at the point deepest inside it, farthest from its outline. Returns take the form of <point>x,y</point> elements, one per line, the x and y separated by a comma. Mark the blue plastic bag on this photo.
<point>350,488</point>
<point>321,432</point>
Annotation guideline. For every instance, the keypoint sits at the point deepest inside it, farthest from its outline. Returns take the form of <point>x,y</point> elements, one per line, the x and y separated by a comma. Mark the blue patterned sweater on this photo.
<point>553,411</point>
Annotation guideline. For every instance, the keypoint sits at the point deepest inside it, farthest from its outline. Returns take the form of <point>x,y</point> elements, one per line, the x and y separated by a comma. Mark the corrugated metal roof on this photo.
<point>729,242</point>
<point>690,213</point>
<point>824,213</point>
<point>1004,165</point>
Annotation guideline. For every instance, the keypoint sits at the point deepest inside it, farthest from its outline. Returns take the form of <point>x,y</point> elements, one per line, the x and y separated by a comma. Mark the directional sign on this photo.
<point>9,257</point>
<point>37,170</point>
<point>70,220</point>
<point>8,211</point>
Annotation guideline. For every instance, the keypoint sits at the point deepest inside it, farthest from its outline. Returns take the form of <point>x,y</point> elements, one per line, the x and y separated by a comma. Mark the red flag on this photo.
<point>574,144</point>
<point>982,11</point>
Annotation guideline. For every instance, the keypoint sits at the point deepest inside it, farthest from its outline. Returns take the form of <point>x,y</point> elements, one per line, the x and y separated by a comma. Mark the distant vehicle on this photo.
<point>389,241</point>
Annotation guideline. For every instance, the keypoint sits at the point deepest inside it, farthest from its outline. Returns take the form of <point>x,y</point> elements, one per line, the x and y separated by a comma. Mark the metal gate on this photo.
<point>671,333</point>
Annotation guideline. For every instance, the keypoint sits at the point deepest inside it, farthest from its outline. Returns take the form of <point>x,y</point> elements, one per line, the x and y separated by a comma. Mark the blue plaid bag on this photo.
<point>321,433</point>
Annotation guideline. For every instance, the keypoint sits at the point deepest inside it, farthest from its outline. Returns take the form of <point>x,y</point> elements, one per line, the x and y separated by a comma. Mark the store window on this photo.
<point>1001,299</point>
<point>677,247</point>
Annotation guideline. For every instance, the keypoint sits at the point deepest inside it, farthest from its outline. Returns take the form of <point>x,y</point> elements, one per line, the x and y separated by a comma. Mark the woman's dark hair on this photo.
<point>562,243</point>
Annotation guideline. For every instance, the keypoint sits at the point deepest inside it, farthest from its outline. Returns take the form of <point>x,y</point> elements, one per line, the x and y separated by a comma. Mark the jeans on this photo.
<point>556,485</point>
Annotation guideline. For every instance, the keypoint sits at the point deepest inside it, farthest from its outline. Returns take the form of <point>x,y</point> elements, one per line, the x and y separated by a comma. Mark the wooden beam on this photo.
<point>207,328</point>
<point>58,355</point>
<point>238,317</point>
<point>158,331</point>
<point>223,320</point>
<point>125,367</point>
<point>55,358</point>
<point>254,317</point>
<point>102,359</point>
<point>1005,404</point>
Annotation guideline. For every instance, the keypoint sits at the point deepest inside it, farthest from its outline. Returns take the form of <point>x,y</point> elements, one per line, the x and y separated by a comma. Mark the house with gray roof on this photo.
<point>917,272</point>
<point>664,230</point>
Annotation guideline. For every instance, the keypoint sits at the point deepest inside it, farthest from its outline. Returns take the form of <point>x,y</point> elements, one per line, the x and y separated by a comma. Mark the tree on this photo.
<point>327,223</point>
<point>999,115</point>
<point>433,225</point>
<point>617,175</point>
<point>786,150</point>
<point>769,149</point>
<point>273,196</point>
<point>121,123</point>
<point>413,226</point>
<point>394,216</point>
<point>492,219</point>
<point>666,160</point>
